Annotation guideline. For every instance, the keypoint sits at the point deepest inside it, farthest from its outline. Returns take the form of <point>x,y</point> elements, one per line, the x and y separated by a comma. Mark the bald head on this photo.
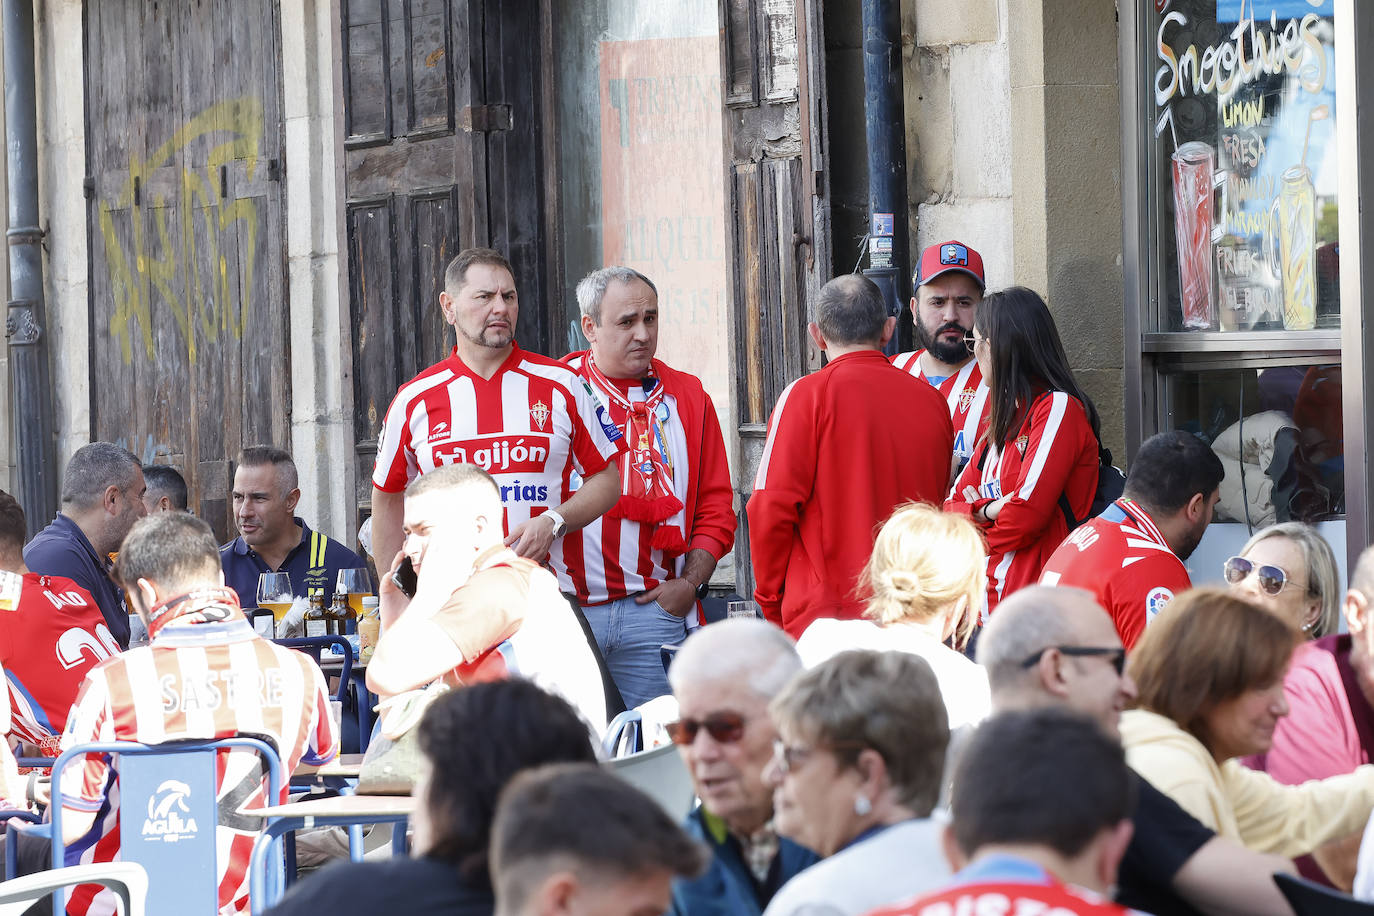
<point>753,653</point>
<point>1045,620</point>
<point>850,311</point>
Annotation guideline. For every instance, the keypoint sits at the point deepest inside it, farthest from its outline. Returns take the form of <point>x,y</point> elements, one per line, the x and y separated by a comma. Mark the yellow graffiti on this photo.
<point>147,273</point>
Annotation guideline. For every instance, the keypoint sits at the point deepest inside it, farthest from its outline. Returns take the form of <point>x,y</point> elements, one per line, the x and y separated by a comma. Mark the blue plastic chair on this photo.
<point>314,646</point>
<point>168,815</point>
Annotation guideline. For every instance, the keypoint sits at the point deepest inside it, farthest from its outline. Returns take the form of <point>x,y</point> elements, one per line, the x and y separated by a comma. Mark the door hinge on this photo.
<point>485,118</point>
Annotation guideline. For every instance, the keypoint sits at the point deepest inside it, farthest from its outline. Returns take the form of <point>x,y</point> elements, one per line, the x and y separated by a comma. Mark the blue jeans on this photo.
<point>630,636</point>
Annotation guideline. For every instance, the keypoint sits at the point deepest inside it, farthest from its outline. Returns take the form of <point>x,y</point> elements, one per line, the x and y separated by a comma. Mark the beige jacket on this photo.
<point>1242,804</point>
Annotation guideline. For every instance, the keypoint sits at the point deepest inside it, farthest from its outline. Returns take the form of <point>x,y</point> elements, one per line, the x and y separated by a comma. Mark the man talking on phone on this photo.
<point>479,612</point>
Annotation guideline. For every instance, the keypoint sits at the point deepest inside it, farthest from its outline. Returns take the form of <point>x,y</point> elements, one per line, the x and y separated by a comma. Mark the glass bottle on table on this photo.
<point>316,617</point>
<point>274,593</point>
<point>369,629</point>
<point>339,615</point>
<point>355,584</point>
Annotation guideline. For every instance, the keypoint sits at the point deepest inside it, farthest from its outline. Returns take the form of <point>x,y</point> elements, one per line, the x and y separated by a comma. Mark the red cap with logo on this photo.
<point>946,256</point>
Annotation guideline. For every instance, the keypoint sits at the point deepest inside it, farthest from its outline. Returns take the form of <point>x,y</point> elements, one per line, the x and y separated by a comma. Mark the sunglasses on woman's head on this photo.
<point>723,727</point>
<point>1272,579</point>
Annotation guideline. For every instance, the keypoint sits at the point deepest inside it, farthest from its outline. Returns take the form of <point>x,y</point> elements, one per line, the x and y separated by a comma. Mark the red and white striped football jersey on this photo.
<point>614,557</point>
<point>532,425</point>
<point>47,645</point>
<point>1054,454</point>
<point>196,680</point>
<point>967,396</point>
<point>1123,559</point>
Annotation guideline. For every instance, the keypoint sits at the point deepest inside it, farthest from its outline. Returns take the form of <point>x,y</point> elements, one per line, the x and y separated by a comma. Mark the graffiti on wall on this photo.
<point>154,264</point>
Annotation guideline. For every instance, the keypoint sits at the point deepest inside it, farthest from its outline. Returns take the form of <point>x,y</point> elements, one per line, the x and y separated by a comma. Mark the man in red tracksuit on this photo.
<point>846,445</point>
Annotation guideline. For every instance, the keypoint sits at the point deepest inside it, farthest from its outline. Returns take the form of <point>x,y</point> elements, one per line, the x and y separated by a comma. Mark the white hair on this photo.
<point>591,289</point>
<point>753,652</point>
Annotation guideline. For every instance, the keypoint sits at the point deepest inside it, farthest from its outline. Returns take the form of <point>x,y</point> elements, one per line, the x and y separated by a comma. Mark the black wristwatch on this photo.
<point>702,589</point>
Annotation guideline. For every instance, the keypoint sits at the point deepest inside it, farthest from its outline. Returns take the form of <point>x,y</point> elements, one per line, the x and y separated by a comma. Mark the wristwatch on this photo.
<point>702,589</point>
<point>559,525</point>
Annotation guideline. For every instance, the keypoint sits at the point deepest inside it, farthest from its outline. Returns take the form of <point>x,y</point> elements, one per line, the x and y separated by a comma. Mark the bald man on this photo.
<point>723,680</point>
<point>1056,646</point>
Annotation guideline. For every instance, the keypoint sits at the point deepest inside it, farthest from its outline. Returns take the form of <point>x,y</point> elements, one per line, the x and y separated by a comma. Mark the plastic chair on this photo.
<point>660,774</point>
<point>624,735</point>
<point>314,646</point>
<point>169,811</point>
<point>127,880</point>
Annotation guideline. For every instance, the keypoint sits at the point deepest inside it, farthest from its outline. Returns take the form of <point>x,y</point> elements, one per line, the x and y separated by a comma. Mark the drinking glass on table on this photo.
<point>274,593</point>
<point>747,609</point>
<point>357,585</point>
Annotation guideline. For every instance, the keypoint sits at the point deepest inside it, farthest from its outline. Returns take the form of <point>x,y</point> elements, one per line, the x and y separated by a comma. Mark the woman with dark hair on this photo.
<point>473,741</point>
<point>1037,463</point>
<point>1209,675</point>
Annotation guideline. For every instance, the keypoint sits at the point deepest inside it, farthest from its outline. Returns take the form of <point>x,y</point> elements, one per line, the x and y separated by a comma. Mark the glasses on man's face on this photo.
<point>1271,579</point>
<point>1115,656</point>
<point>723,727</point>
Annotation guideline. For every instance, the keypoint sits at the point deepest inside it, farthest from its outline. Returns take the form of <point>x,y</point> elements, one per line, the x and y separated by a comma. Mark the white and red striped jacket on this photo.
<point>532,425</point>
<point>1053,454</point>
<point>612,558</point>
<point>967,396</point>
<point>197,679</point>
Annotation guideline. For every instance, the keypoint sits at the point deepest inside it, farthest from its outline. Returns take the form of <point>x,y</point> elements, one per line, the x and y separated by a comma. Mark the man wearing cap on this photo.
<point>949,285</point>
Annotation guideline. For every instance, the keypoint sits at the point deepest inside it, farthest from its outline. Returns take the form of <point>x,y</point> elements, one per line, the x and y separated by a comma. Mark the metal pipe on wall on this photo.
<point>30,382</point>
<point>885,131</point>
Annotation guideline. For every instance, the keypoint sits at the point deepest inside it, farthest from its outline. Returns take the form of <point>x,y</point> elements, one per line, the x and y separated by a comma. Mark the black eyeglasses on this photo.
<point>1115,656</point>
<point>1272,579</point>
<point>723,727</point>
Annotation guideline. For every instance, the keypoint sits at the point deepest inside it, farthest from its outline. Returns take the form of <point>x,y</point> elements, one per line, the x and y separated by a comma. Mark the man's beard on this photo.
<point>492,339</point>
<point>946,352</point>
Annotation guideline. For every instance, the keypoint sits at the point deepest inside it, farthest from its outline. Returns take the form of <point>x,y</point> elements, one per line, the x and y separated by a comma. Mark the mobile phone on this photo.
<point>405,578</point>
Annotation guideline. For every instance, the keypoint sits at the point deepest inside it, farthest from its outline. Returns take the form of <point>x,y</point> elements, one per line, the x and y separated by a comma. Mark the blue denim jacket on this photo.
<point>727,888</point>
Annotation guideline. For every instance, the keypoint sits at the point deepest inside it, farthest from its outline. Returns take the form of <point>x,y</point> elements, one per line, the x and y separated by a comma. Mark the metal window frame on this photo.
<point>1147,349</point>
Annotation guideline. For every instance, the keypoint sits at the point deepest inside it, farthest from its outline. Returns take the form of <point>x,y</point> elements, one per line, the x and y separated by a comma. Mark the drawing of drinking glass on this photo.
<point>1293,217</point>
<point>1195,179</point>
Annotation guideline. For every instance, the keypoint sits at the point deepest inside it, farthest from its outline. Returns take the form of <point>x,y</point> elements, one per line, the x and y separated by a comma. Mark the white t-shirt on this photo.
<point>963,683</point>
<point>900,862</point>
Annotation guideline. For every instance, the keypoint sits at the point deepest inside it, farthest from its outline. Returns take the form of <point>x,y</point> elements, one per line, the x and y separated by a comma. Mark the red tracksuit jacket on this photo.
<point>846,445</point>
<point>1054,453</point>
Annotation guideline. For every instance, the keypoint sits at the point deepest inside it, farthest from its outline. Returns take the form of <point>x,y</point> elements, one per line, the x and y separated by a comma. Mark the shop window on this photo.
<point>1242,165</point>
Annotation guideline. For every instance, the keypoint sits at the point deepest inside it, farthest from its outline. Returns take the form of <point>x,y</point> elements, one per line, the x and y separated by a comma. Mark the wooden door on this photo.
<point>441,153</point>
<point>778,210</point>
<point>190,356</point>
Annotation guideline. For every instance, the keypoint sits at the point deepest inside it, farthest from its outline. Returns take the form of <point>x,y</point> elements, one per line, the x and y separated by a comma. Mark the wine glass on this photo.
<point>357,585</point>
<point>274,593</point>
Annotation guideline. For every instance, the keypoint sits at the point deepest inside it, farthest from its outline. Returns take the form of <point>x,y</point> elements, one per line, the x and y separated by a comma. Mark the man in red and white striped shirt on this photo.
<point>527,420</point>
<point>949,285</point>
<point>205,674</point>
<point>639,570</point>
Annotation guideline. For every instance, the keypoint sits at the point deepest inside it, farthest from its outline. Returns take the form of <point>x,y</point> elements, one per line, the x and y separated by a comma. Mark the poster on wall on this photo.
<point>662,209</point>
<point>1244,118</point>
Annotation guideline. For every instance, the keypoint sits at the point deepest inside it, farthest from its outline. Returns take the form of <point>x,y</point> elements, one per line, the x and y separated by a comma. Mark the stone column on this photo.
<point>1066,185</point>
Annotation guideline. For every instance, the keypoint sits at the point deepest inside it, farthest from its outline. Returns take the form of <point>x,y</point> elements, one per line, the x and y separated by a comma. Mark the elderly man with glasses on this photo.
<point>723,680</point>
<point>1055,646</point>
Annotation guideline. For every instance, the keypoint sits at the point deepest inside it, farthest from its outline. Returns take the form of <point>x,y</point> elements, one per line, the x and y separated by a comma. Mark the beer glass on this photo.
<point>356,585</point>
<point>274,593</point>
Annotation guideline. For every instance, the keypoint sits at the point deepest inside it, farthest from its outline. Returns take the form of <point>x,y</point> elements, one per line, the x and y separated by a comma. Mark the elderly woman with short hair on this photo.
<point>1209,675</point>
<point>1289,569</point>
<point>856,772</point>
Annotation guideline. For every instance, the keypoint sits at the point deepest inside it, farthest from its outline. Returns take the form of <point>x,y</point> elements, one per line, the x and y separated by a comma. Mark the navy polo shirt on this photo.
<point>312,564</point>
<point>62,549</point>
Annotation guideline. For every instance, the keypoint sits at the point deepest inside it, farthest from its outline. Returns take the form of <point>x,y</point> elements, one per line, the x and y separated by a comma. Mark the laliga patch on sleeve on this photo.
<point>1156,601</point>
<point>11,584</point>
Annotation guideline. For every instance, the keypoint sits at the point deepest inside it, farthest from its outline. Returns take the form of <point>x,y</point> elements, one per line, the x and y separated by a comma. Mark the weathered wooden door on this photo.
<point>778,210</point>
<point>188,310</point>
<point>441,149</point>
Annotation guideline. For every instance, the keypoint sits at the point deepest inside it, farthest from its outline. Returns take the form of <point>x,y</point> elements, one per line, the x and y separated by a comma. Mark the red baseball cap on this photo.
<point>946,256</point>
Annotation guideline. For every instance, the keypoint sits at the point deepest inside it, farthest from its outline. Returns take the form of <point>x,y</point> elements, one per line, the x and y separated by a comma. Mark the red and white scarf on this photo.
<point>646,472</point>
